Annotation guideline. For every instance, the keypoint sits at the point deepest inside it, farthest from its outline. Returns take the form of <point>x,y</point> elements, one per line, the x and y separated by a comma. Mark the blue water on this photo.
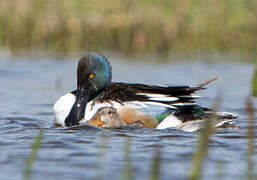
<point>30,87</point>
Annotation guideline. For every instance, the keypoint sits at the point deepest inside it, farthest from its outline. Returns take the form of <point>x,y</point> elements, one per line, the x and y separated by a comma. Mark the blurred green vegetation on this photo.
<point>129,26</point>
<point>33,156</point>
<point>202,149</point>
<point>128,172</point>
<point>254,82</point>
<point>250,110</point>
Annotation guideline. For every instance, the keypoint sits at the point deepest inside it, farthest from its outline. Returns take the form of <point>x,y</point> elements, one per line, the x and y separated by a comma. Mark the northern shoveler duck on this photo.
<point>171,106</point>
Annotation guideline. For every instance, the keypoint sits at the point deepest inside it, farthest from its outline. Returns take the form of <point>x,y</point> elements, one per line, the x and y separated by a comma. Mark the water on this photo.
<point>29,89</point>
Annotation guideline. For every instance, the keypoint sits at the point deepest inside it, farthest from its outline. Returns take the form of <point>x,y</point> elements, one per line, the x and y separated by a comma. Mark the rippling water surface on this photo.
<point>29,88</point>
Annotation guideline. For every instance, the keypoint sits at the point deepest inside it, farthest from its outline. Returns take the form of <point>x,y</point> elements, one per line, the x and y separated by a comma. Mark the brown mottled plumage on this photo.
<point>131,116</point>
<point>108,117</point>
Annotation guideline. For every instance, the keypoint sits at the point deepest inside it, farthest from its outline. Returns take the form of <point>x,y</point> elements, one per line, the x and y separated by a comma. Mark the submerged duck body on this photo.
<point>95,91</point>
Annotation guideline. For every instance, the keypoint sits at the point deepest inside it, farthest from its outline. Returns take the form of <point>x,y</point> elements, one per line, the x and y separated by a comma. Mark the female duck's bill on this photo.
<point>93,76</point>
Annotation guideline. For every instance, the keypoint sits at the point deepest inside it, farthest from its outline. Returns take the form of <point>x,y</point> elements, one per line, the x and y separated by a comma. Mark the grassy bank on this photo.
<point>129,26</point>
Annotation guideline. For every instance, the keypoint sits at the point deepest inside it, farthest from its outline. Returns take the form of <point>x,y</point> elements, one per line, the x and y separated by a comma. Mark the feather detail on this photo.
<point>160,104</point>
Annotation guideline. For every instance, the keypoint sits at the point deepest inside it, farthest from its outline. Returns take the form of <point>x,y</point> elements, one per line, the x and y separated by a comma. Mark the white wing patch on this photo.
<point>158,97</point>
<point>160,104</point>
<point>163,98</point>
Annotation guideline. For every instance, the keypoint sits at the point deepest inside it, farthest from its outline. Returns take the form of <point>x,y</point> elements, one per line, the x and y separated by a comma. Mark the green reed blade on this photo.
<point>201,151</point>
<point>103,147</point>
<point>33,155</point>
<point>202,147</point>
<point>250,138</point>
<point>156,164</point>
<point>254,83</point>
<point>127,173</point>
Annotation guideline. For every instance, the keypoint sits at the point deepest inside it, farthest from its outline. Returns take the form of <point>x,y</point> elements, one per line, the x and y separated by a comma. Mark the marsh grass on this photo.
<point>103,150</point>
<point>156,164</point>
<point>129,26</point>
<point>202,146</point>
<point>250,139</point>
<point>201,152</point>
<point>128,172</point>
<point>33,155</point>
<point>254,82</point>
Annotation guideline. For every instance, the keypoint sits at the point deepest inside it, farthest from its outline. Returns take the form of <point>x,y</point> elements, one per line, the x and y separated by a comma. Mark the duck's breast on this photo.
<point>62,108</point>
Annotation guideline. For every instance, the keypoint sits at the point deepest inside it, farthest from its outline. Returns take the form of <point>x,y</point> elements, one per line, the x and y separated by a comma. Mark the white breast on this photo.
<point>62,108</point>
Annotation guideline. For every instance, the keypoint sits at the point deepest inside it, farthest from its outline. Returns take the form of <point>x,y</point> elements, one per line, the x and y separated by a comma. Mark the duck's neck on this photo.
<point>98,94</point>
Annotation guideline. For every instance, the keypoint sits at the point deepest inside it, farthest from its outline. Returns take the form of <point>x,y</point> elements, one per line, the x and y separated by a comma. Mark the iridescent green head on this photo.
<point>93,76</point>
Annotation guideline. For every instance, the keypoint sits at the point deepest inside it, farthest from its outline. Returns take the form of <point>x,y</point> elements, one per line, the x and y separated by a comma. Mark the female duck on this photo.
<point>108,117</point>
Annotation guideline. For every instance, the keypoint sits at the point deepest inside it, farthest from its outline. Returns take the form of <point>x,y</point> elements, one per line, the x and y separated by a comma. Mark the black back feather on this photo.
<point>123,92</point>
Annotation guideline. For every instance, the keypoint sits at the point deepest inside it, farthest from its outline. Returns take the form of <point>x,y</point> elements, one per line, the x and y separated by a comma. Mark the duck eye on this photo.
<point>92,75</point>
<point>109,112</point>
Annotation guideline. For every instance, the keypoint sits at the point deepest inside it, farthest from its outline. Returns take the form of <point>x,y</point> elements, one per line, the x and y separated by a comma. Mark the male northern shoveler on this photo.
<point>170,105</point>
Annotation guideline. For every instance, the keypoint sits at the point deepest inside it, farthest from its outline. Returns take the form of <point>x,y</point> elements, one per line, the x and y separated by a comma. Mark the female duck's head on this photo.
<point>93,76</point>
<point>107,117</point>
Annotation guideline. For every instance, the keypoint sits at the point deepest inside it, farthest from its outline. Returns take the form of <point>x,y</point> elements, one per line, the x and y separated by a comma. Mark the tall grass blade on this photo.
<point>202,147</point>
<point>201,152</point>
<point>33,155</point>
<point>250,138</point>
<point>127,173</point>
<point>156,164</point>
<point>254,82</point>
